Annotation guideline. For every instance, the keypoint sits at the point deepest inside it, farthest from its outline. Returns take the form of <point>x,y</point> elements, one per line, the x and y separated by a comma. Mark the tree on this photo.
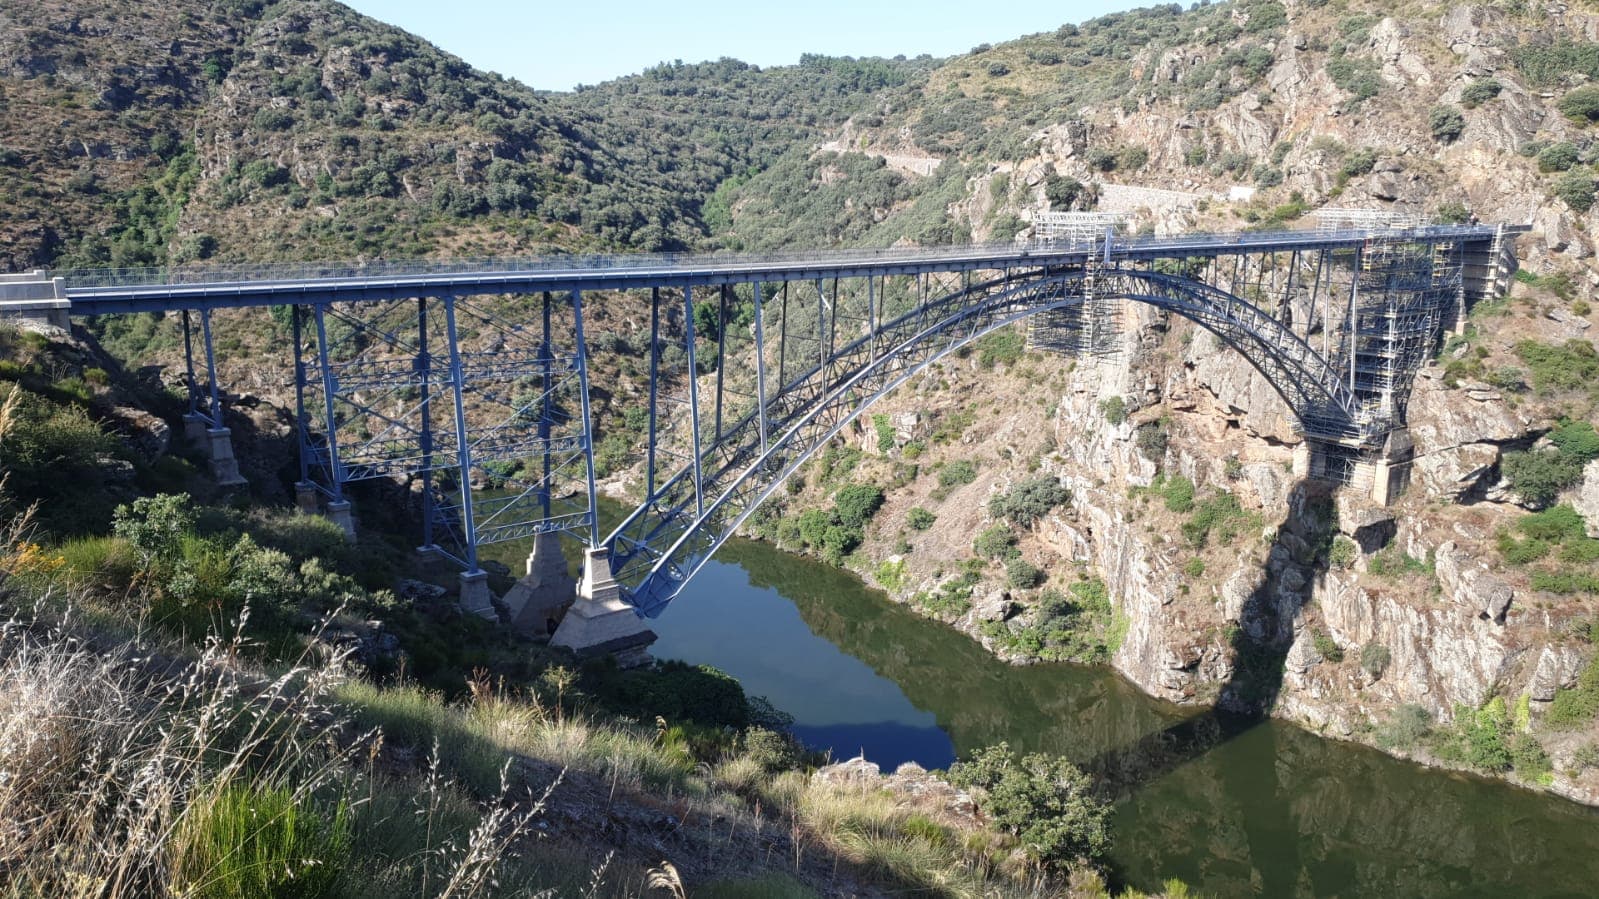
<point>1446,123</point>
<point>1044,800</point>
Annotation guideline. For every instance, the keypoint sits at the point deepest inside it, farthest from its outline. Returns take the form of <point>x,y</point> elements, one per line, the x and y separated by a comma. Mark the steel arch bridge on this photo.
<point>473,382</point>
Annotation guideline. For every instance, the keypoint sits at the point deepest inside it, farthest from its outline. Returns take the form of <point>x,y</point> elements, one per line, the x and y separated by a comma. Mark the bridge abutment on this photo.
<point>32,297</point>
<point>599,622</point>
<point>541,598</point>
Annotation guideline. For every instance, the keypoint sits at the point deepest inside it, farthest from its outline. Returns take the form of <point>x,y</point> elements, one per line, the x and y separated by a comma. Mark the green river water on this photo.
<point>1233,807</point>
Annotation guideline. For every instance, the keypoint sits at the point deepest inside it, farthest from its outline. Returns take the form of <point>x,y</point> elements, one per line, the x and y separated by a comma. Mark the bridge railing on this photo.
<point>1133,245</point>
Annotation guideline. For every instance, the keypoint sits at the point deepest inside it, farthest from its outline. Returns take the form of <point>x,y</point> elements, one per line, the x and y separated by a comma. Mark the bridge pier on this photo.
<point>476,598</point>
<point>547,591</point>
<point>1382,474</point>
<point>599,622</point>
<point>224,466</point>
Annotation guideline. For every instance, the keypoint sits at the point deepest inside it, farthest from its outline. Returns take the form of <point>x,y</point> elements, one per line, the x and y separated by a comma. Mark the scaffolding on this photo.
<point>1074,228</point>
<point>1400,296</point>
<point>1330,220</point>
<point>1091,327</point>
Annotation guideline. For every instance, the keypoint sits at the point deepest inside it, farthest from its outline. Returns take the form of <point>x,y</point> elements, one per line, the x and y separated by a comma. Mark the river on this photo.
<point>1233,807</point>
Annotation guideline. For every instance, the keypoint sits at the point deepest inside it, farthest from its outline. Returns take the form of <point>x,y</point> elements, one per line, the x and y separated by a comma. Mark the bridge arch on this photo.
<point>668,538</point>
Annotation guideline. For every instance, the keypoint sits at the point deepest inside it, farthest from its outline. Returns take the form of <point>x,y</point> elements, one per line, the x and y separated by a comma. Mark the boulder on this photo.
<point>1369,526</point>
<point>1558,666</point>
<point>855,772</point>
<point>1586,500</point>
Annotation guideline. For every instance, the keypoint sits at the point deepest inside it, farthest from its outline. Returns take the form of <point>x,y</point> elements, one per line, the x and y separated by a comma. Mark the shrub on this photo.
<point>1358,163</point>
<point>998,69</point>
<point>1179,494</point>
<point>1446,123</point>
<point>1326,646</point>
<point>1022,574</point>
<point>1576,439</point>
<point>1407,725</point>
<point>1581,104</point>
<point>1194,567</point>
<point>260,842</point>
<point>1576,189</point>
<point>1479,92</point>
<point>1374,659</point>
<point>1577,706</point>
<point>857,504</point>
<point>1151,440</point>
<point>957,473</point>
<point>1343,552</point>
<point>1029,501</point>
<point>996,542</point>
<point>885,432</point>
<point>920,519</point>
<point>1004,346</point>
<point>1557,157</point>
<point>1573,365</point>
<point>1043,800</point>
<point>155,526</point>
<point>1114,409</point>
<point>1538,476</point>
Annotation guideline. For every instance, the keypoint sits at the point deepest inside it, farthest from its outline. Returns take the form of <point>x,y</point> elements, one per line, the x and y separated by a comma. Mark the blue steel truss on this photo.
<point>470,383</point>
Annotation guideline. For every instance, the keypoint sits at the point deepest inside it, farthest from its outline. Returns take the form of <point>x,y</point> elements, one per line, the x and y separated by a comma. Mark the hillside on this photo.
<point>1148,498</point>
<point>139,137</point>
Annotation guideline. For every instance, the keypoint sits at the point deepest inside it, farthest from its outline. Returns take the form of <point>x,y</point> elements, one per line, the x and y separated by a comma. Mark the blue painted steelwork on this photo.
<point>508,459</point>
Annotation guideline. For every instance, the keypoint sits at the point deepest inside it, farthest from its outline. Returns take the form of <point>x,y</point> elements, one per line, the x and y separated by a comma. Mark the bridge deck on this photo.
<point>100,292</point>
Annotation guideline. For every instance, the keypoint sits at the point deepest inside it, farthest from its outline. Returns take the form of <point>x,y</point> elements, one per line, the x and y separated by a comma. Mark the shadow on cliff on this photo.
<point>1259,642</point>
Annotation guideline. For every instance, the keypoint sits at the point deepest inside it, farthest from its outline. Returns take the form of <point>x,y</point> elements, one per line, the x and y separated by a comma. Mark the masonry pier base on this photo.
<point>539,601</point>
<point>305,498</point>
<point>1382,473</point>
<point>599,622</point>
<point>476,598</point>
<point>340,514</point>
<point>219,449</point>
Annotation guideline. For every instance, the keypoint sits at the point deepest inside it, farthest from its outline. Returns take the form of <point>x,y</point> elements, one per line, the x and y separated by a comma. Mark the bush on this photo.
<point>996,542</point>
<point>857,504</point>
<point>1194,567</point>
<point>957,473</point>
<point>1446,123</point>
<point>920,519</point>
<point>1374,659</point>
<point>1479,92</point>
<point>1538,476</point>
<point>250,841</point>
<point>1577,706</point>
<point>1407,725</point>
<point>1581,104</point>
<point>1101,159</point>
<point>1343,552</point>
<point>1022,574</point>
<point>1576,189</point>
<point>1557,157</point>
<point>1029,501</point>
<point>1573,365</point>
<point>1043,800</point>
<point>1358,163</point>
<point>1327,647</point>
<point>1151,440</point>
<point>1114,409</point>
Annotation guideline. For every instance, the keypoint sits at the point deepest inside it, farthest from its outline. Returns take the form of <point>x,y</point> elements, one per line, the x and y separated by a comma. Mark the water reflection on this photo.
<point>1233,805</point>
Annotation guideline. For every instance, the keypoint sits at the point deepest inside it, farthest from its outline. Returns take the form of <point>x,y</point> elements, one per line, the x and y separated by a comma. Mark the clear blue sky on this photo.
<point>555,44</point>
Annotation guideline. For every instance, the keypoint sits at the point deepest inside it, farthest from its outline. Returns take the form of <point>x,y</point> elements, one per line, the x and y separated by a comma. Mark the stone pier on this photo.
<point>476,598</point>
<point>538,602</point>
<point>305,498</point>
<point>219,449</point>
<point>599,622</point>
<point>339,513</point>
